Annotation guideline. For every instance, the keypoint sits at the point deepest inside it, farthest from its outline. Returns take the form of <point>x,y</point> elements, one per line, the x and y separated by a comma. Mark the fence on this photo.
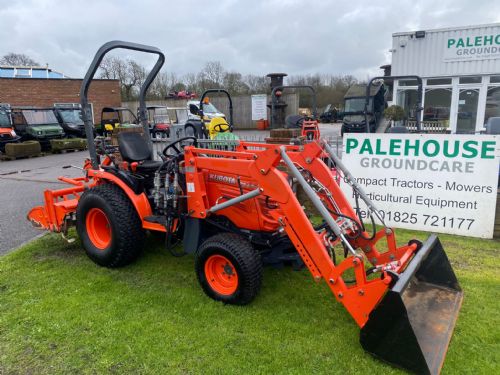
<point>159,144</point>
<point>242,107</point>
<point>428,126</point>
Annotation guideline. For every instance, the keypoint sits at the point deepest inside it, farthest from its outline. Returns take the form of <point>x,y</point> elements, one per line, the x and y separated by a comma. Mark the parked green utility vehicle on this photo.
<point>38,124</point>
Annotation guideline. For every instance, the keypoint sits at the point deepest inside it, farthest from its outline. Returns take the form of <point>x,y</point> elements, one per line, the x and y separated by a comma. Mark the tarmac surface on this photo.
<point>23,181</point>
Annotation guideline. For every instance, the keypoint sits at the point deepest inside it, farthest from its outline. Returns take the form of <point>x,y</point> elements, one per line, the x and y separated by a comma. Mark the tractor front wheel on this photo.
<point>229,269</point>
<point>109,226</point>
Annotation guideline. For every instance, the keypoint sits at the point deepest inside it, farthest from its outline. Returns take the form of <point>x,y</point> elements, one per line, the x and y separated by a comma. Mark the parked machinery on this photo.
<point>70,118</point>
<point>7,132</point>
<point>236,210</point>
<point>308,125</point>
<point>214,122</point>
<point>112,117</point>
<point>159,121</point>
<point>330,114</point>
<point>39,124</point>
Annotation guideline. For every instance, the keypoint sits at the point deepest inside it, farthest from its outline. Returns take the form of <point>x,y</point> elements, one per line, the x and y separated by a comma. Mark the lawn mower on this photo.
<point>238,209</point>
<point>159,121</point>
<point>205,120</point>
<point>216,126</point>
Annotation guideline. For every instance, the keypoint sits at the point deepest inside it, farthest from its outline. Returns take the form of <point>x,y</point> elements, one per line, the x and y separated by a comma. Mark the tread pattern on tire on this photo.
<point>248,264</point>
<point>130,236</point>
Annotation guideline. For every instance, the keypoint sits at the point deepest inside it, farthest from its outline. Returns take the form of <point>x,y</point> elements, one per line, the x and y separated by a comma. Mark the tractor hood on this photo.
<point>45,130</point>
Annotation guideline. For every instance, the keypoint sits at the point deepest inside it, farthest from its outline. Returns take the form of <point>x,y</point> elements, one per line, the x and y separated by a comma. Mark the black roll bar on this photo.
<point>419,98</point>
<point>230,104</point>
<point>274,99</point>
<point>89,76</point>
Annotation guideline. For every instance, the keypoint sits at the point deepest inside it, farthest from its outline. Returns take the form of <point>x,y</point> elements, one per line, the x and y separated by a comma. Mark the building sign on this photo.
<point>259,107</point>
<point>472,47</point>
<point>437,183</point>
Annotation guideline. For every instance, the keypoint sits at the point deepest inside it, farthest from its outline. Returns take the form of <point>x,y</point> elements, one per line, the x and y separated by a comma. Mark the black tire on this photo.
<point>127,235</point>
<point>245,259</point>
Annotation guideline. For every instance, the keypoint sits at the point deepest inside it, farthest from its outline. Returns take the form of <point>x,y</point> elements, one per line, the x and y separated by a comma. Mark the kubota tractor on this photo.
<point>236,210</point>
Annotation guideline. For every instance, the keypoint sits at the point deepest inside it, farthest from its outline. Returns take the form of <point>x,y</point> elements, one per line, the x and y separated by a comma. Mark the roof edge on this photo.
<point>402,33</point>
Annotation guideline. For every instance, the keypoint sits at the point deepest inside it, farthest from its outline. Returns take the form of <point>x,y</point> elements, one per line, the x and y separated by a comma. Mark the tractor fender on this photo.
<point>140,201</point>
<point>132,183</point>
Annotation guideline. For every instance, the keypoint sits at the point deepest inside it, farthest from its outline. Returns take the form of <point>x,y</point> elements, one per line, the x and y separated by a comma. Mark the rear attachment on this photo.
<point>412,325</point>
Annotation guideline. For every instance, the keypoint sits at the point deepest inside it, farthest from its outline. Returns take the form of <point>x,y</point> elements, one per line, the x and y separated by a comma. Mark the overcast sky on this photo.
<point>292,36</point>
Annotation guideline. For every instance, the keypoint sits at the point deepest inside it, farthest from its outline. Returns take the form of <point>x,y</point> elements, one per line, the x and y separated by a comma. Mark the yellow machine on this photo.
<point>217,125</point>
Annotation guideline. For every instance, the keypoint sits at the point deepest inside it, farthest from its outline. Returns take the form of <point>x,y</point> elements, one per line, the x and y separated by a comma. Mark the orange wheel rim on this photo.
<point>221,275</point>
<point>98,228</point>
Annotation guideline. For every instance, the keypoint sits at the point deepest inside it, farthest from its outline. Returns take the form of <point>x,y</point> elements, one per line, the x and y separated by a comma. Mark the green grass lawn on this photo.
<point>60,313</point>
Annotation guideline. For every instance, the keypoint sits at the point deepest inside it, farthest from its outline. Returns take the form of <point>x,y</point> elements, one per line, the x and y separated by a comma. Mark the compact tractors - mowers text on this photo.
<point>236,209</point>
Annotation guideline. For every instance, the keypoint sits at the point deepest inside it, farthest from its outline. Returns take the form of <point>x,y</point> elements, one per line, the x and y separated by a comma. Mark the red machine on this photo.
<point>310,130</point>
<point>236,209</point>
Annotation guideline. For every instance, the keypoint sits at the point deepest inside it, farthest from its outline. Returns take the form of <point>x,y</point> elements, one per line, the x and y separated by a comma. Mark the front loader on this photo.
<point>237,209</point>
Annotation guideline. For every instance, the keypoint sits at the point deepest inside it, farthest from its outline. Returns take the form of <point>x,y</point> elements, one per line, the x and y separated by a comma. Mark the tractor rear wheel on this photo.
<point>109,226</point>
<point>229,269</point>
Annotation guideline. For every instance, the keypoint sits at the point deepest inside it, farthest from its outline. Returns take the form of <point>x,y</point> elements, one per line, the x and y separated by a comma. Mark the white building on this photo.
<point>460,68</point>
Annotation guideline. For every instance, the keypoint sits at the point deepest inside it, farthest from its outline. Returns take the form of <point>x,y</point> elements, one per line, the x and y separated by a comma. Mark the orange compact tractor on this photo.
<point>236,209</point>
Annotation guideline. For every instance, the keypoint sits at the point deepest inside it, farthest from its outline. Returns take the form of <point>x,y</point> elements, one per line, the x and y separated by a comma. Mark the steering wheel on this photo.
<point>218,128</point>
<point>175,143</point>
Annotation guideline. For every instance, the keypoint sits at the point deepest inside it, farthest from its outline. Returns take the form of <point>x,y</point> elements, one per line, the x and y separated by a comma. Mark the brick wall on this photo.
<point>46,92</point>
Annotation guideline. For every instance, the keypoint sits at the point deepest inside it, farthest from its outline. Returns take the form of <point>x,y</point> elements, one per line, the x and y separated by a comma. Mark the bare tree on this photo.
<point>17,59</point>
<point>159,88</point>
<point>130,74</point>
<point>257,84</point>
<point>191,82</point>
<point>212,75</point>
<point>233,83</point>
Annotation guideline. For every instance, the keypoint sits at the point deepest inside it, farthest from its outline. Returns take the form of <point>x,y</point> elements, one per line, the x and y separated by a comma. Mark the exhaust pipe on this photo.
<point>412,325</point>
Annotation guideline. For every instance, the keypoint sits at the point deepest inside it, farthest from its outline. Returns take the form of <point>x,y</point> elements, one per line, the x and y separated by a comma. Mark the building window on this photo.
<point>407,82</point>
<point>39,73</point>
<point>474,79</point>
<point>492,103</point>
<point>23,73</point>
<point>495,79</point>
<point>408,100</point>
<point>438,81</point>
<point>467,110</point>
<point>437,106</point>
<point>7,72</point>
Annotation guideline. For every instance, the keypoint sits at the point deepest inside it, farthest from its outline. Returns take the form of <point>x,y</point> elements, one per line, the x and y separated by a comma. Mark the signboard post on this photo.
<point>439,183</point>
<point>259,107</point>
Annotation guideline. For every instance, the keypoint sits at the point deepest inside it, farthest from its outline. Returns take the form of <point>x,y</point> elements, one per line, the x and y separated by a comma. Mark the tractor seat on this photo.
<point>134,148</point>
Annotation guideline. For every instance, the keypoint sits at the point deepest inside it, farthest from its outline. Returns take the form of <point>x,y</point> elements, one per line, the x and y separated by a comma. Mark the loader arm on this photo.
<point>261,166</point>
<point>406,315</point>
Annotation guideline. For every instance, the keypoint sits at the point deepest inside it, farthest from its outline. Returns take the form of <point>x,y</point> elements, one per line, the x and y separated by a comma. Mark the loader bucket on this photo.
<point>412,325</point>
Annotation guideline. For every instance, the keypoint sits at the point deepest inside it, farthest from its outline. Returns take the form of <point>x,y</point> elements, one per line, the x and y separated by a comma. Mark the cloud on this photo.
<point>293,36</point>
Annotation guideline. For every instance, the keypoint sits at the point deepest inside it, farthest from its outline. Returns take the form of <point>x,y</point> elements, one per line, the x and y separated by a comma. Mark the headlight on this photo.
<point>13,133</point>
<point>39,132</point>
